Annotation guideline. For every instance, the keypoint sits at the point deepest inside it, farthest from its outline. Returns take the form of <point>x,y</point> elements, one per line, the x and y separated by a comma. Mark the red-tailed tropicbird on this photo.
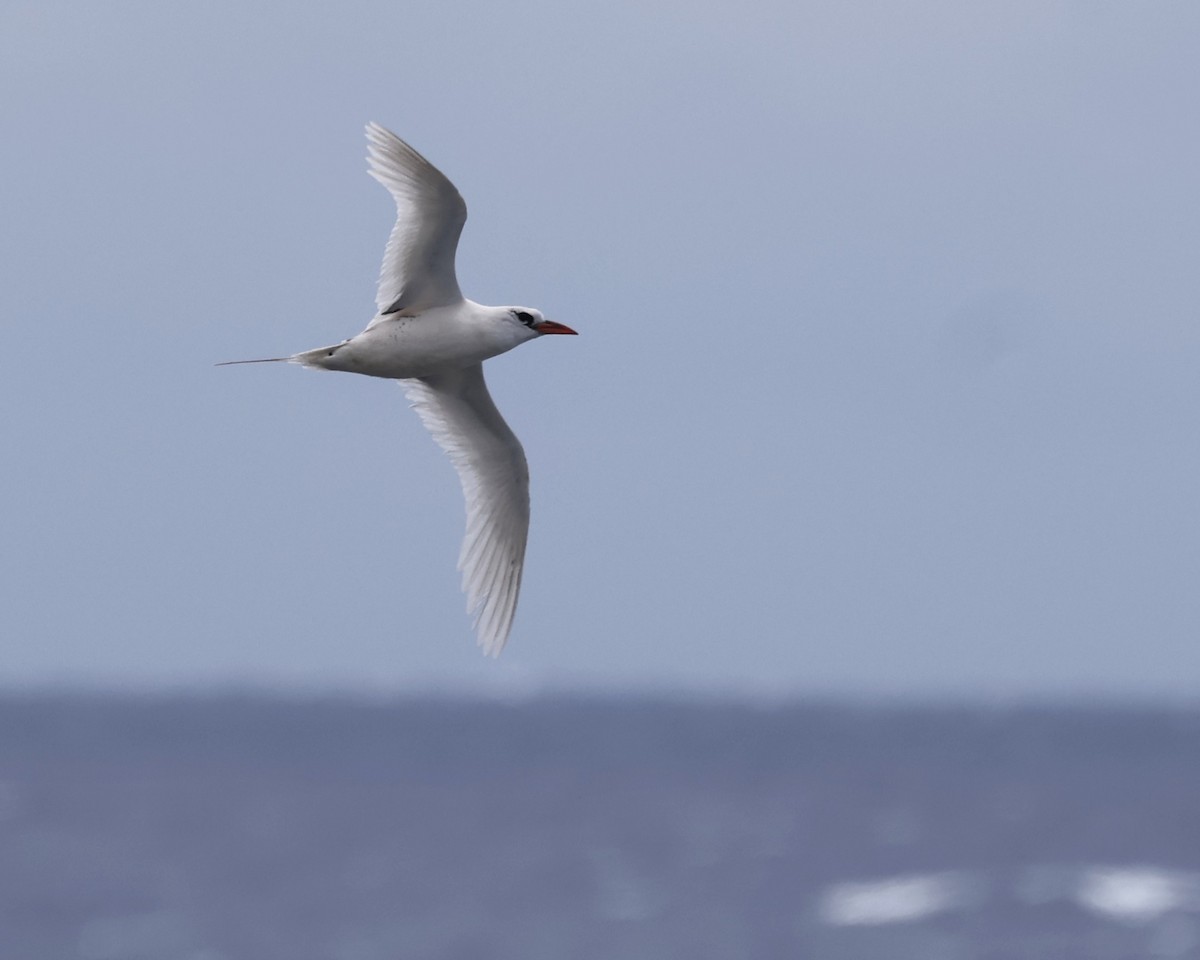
<point>427,335</point>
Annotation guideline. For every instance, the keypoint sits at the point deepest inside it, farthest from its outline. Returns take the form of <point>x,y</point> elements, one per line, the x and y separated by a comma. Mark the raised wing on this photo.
<point>418,266</point>
<point>459,412</point>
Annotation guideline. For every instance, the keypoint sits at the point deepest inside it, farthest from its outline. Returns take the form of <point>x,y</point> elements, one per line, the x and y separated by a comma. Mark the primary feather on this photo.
<point>418,264</point>
<point>457,409</point>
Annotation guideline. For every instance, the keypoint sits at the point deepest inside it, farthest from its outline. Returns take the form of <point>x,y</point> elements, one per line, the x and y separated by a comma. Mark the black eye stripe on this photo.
<point>524,317</point>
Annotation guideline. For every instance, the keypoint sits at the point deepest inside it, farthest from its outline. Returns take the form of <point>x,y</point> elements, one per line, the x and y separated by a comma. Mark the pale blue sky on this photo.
<point>888,381</point>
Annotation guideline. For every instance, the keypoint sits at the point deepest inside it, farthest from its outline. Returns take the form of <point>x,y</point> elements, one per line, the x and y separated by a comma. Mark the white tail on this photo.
<point>232,363</point>
<point>318,358</point>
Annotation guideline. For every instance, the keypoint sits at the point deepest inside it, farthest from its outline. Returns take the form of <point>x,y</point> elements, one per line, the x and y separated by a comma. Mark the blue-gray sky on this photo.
<point>887,382</point>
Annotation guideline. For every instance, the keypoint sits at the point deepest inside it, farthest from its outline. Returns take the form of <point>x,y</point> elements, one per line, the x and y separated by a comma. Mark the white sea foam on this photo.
<point>1127,894</point>
<point>897,899</point>
<point>1137,894</point>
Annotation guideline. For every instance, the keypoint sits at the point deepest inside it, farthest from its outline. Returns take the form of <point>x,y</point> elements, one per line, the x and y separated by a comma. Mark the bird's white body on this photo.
<point>402,347</point>
<point>432,339</point>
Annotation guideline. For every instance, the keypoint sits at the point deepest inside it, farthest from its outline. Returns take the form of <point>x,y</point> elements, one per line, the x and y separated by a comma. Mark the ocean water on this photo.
<point>243,828</point>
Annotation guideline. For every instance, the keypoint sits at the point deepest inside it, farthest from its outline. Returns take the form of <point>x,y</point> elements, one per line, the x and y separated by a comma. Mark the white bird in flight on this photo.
<point>427,335</point>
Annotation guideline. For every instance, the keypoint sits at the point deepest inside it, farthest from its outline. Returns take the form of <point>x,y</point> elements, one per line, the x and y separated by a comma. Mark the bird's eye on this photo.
<point>525,318</point>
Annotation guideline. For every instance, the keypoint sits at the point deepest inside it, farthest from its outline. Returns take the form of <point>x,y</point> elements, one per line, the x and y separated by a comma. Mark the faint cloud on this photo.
<point>982,332</point>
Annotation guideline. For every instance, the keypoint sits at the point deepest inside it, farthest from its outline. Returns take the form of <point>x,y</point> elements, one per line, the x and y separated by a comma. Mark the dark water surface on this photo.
<point>241,828</point>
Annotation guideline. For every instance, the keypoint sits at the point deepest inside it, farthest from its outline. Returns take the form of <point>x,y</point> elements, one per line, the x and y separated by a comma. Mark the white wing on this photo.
<point>418,266</point>
<point>459,412</point>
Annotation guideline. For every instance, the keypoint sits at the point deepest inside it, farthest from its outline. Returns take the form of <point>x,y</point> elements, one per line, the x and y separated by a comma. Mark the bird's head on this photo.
<point>533,320</point>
